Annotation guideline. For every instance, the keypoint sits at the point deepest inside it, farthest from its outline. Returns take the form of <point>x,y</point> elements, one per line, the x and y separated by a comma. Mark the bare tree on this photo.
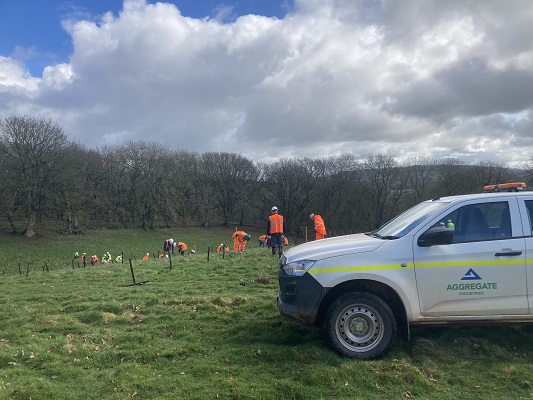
<point>291,183</point>
<point>33,148</point>
<point>453,177</point>
<point>336,177</point>
<point>354,214</point>
<point>386,187</point>
<point>185,197</point>
<point>202,193</point>
<point>489,173</point>
<point>107,187</point>
<point>231,177</point>
<point>69,197</point>
<point>8,183</point>
<point>421,178</point>
<point>264,199</point>
<point>147,169</point>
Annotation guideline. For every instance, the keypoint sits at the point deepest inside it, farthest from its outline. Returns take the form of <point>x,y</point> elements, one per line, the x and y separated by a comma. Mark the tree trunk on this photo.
<point>12,223</point>
<point>69,221</point>
<point>30,224</point>
<point>75,222</point>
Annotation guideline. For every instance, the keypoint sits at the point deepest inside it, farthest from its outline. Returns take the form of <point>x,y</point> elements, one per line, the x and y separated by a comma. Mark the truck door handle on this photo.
<point>508,253</point>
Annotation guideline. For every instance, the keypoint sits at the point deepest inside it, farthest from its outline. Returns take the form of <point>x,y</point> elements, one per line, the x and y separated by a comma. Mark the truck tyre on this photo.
<point>360,325</point>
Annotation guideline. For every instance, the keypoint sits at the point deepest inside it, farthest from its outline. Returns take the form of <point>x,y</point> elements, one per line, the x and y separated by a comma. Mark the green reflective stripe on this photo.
<point>381,267</point>
<point>432,264</point>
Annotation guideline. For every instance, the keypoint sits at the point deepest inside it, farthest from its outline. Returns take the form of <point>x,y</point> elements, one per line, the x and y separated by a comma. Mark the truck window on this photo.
<point>477,222</point>
<point>529,207</point>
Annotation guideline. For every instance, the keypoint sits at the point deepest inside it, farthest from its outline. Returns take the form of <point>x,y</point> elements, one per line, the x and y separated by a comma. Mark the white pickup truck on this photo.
<point>451,260</point>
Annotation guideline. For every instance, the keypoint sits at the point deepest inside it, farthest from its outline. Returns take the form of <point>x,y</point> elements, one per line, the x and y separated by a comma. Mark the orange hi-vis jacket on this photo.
<point>239,243</point>
<point>276,223</point>
<point>320,227</point>
<point>238,235</point>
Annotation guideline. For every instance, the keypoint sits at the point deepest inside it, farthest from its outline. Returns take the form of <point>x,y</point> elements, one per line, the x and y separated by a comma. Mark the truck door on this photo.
<point>483,270</point>
<point>526,211</point>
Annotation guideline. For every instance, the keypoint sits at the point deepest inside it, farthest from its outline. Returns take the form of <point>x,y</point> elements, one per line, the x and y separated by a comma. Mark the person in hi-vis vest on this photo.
<point>320,227</point>
<point>276,228</point>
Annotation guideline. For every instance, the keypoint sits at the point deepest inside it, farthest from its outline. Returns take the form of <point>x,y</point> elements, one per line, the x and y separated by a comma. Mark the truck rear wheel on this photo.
<point>360,325</point>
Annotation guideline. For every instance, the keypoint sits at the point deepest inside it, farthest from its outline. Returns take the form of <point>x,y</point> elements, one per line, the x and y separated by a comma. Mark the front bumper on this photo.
<point>299,297</point>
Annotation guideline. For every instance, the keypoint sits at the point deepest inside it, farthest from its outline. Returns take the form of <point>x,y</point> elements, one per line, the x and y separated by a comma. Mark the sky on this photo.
<point>272,79</point>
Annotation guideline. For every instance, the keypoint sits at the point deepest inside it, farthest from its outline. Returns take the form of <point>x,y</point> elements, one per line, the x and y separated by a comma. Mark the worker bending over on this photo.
<point>239,240</point>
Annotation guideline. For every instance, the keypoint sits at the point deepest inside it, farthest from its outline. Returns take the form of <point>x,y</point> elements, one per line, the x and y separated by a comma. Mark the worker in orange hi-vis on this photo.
<point>182,247</point>
<point>262,240</point>
<point>320,227</point>
<point>239,240</point>
<point>222,247</point>
<point>275,229</point>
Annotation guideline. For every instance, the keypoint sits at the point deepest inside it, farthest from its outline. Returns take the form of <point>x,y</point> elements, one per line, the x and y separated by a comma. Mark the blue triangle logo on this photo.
<point>470,276</point>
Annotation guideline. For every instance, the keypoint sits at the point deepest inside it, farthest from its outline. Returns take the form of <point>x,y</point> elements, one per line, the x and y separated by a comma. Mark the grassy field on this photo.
<point>210,330</point>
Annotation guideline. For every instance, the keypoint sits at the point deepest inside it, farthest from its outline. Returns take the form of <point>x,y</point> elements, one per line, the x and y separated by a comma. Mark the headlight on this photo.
<point>298,268</point>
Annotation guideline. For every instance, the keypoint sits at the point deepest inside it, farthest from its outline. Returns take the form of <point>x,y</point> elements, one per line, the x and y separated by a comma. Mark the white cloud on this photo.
<point>398,77</point>
<point>14,79</point>
<point>57,76</point>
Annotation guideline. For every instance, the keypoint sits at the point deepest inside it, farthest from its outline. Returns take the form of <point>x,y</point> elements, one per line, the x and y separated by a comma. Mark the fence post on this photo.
<point>132,274</point>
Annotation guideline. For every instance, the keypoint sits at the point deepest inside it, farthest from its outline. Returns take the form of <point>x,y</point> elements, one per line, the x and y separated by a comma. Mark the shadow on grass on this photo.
<point>500,343</point>
<point>274,329</point>
<point>455,344</point>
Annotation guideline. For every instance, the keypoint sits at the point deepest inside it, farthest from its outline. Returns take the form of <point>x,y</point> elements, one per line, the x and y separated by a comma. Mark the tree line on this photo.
<point>45,177</point>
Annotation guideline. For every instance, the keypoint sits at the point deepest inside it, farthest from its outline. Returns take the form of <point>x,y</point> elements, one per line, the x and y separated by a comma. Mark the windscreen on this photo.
<point>405,222</point>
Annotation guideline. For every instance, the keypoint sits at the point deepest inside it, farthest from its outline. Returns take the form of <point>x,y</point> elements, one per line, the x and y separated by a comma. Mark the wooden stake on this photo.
<point>132,274</point>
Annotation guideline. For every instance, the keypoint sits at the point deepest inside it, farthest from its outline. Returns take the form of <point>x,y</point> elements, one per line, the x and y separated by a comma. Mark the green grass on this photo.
<point>211,330</point>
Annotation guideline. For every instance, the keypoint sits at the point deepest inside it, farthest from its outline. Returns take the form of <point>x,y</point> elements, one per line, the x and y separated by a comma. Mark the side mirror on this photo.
<point>436,236</point>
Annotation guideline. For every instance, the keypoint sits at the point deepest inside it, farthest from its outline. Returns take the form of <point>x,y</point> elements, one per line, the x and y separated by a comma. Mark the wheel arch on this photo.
<point>380,289</point>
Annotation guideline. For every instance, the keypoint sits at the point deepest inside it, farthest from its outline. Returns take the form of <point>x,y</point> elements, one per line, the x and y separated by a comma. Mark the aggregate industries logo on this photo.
<point>475,287</point>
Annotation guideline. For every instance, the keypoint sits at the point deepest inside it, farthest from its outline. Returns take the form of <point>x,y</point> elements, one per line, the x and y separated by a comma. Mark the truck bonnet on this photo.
<point>333,247</point>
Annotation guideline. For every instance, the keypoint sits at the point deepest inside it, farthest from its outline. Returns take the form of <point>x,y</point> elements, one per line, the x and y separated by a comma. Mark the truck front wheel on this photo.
<point>360,325</point>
